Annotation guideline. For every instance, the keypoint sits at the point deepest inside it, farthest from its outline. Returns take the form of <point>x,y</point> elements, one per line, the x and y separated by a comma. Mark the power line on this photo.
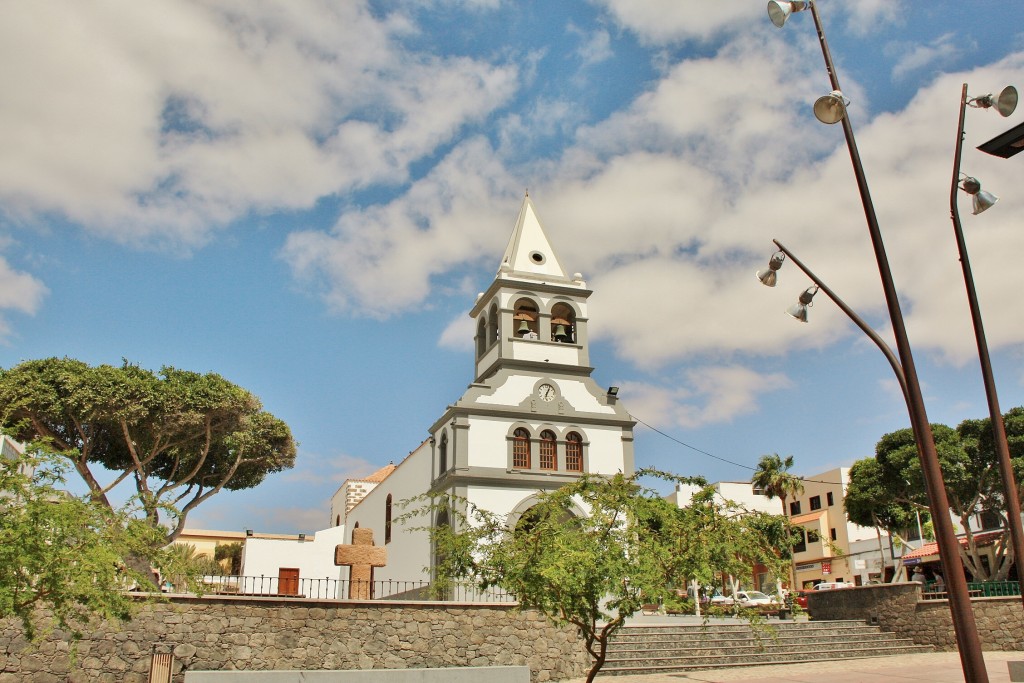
<point>725,460</point>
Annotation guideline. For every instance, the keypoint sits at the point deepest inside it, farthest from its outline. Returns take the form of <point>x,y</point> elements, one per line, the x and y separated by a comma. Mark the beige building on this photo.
<point>830,550</point>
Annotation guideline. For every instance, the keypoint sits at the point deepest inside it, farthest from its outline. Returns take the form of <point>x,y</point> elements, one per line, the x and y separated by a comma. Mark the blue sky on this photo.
<point>305,197</point>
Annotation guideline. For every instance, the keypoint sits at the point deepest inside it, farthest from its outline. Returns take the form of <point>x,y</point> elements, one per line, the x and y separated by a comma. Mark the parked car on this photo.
<point>800,597</point>
<point>830,585</point>
<point>754,599</point>
<point>720,600</point>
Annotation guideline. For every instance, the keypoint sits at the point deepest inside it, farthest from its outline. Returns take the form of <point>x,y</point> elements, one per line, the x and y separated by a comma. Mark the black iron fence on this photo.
<point>337,589</point>
<point>976,589</point>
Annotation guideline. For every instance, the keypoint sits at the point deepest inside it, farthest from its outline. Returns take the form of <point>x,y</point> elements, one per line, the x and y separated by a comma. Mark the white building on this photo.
<point>532,419</point>
<point>728,494</point>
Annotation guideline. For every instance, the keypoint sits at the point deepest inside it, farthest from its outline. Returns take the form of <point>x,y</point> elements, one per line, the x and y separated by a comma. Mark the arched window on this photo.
<point>337,520</point>
<point>526,319</point>
<point>387,520</point>
<point>481,337</point>
<point>548,450</point>
<point>492,325</point>
<point>442,455</point>
<point>573,452</point>
<point>521,449</point>
<point>563,323</point>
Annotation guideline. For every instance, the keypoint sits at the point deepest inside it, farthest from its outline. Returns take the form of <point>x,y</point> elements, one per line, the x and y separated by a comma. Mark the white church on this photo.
<point>532,419</point>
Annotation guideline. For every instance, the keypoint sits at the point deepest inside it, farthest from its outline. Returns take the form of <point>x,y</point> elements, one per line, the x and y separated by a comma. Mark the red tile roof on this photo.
<point>929,549</point>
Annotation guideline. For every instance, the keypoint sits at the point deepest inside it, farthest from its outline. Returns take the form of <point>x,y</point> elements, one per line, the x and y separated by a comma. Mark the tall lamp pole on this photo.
<point>832,109</point>
<point>1005,105</point>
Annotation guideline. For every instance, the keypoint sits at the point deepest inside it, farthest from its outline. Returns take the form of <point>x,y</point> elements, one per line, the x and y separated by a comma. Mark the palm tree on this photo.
<point>774,479</point>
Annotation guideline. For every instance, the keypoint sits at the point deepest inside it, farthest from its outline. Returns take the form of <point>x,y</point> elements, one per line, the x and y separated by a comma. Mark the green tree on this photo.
<point>173,438</point>
<point>231,552</point>
<point>593,551</point>
<point>971,477</point>
<point>61,556</point>
<point>773,477</point>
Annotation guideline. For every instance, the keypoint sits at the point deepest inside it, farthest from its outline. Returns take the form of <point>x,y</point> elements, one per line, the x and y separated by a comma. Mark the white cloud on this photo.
<point>158,122</point>
<point>458,335</point>
<point>916,57</point>
<point>18,292</point>
<point>709,395</point>
<point>662,21</point>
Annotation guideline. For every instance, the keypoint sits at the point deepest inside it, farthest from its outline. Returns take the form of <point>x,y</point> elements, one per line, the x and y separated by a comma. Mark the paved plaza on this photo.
<point>937,667</point>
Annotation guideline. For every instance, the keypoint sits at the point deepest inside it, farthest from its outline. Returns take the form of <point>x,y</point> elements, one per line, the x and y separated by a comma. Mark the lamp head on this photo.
<point>768,277</point>
<point>799,309</point>
<point>1005,104</point>
<point>831,108</point>
<point>779,10</point>
<point>983,200</point>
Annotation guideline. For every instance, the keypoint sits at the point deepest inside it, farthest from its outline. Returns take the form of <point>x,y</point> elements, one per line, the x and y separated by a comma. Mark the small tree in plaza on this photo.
<point>593,551</point>
<point>61,557</point>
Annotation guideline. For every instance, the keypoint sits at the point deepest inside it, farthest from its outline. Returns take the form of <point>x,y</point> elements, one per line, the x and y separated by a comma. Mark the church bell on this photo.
<point>560,333</point>
<point>524,327</point>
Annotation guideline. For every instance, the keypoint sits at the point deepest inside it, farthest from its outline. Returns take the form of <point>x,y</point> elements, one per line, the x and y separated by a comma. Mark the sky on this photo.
<point>305,197</point>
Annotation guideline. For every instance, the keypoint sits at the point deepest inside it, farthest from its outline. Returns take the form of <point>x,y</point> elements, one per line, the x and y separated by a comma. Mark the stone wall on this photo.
<point>897,607</point>
<point>234,633</point>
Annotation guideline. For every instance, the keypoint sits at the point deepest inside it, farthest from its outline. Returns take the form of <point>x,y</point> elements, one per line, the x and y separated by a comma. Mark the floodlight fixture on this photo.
<point>1005,104</point>
<point>769,277</point>
<point>831,108</point>
<point>799,309</point>
<point>980,199</point>
<point>779,10</point>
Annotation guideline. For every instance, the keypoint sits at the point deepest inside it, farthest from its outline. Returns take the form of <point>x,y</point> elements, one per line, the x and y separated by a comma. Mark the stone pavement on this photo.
<point>935,667</point>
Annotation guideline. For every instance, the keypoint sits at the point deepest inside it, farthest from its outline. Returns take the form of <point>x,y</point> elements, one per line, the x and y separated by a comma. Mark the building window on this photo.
<point>526,319</point>
<point>442,455</point>
<point>800,545</point>
<point>573,452</point>
<point>492,326</point>
<point>794,508</point>
<point>337,520</point>
<point>481,337</point>
<point>563,324</point>
<point>387,520</point>
<point>812,536</point>
<point>815,503</point>
<point>832,533</point>
<point>521,449</point>
<point>548,450</point>
<point>828,499</point>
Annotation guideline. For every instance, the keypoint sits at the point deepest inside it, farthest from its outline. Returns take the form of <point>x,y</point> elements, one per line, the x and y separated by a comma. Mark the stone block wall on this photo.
<point>898,608</point>
<point>233,633</point>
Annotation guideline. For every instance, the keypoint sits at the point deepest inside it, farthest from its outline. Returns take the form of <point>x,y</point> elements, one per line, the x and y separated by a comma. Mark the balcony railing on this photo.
<point>337,589</point>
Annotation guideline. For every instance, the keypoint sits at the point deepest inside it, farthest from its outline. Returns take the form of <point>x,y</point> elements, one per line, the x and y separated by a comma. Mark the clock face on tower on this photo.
<point>546,392</point>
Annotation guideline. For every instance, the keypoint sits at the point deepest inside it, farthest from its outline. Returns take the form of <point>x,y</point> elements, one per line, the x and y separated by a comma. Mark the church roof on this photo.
<point>529,251</point>
<point>381,474</point>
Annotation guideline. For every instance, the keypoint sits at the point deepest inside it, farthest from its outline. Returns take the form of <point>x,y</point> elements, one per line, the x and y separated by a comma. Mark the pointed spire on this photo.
<point>529,252</point>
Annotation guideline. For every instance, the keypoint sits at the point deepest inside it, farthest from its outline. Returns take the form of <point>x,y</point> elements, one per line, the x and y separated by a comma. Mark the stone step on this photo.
<point>615,667</point>
<point>629,636</point>
<point>686,647</point>
<point>753,646</point>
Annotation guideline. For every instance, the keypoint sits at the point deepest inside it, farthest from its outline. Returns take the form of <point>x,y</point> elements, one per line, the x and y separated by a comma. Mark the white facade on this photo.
<point>741,493</point>
<point>264,557</point>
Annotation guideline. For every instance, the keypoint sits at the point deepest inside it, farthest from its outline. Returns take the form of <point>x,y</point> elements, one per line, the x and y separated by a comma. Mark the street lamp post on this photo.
<point>1005,106</point>
<point>962,613</point>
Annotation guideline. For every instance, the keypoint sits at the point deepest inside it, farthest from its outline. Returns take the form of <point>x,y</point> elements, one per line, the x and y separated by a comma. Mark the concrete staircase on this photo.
<point>688,647</point>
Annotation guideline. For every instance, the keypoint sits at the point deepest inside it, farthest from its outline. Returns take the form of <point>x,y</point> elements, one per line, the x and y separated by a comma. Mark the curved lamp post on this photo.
<point>962,613</point>
<point>1005,105</point>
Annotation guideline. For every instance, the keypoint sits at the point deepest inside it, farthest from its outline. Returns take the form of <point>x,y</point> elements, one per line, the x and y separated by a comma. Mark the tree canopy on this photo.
<point>593,551</point>
<point>774,478</point>
<point>886,490</point>
<point>174,438</point>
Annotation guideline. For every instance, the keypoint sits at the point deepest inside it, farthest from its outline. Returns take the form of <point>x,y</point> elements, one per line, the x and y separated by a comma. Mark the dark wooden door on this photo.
<point>288,581</point>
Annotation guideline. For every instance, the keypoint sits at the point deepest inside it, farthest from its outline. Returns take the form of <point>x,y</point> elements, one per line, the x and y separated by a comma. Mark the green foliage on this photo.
<point>60,556</point>
<point>231,552</point>
<point>886,491</point>
<point>177,437</point>
<point>773,477</point>
<point>593,551</point>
